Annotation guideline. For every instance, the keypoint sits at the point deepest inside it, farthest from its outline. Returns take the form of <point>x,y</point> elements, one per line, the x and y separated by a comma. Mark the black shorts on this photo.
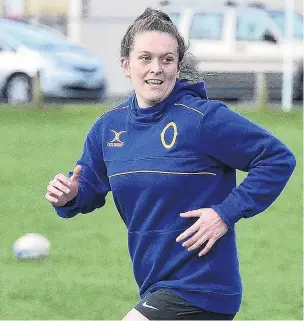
<point>166,305</point>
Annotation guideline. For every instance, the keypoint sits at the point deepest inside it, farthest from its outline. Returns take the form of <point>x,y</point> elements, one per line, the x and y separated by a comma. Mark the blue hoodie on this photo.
<point>175,157</point>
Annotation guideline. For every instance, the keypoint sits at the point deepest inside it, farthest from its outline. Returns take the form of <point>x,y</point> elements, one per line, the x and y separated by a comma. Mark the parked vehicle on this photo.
<point>66,70</point>
<point>233,44</point>
<point>278,17</point>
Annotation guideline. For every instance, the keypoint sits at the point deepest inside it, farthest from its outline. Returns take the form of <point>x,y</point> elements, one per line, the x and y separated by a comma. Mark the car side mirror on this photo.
<point>268,37</point>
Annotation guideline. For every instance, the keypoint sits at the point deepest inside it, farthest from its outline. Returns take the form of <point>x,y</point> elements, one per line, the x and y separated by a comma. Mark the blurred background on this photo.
<point>240,47</point>
<point>60,70</point>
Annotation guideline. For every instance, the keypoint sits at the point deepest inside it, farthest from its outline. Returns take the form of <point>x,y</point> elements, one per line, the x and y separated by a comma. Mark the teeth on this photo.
<point>154,81</point>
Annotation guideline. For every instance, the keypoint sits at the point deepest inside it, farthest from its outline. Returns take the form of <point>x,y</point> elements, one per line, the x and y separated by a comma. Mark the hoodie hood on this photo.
<point>155,113</point>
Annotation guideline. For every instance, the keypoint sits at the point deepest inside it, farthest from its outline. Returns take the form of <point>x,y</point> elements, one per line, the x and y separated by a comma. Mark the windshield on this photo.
<point>279,18</point>
<point>37,38</point>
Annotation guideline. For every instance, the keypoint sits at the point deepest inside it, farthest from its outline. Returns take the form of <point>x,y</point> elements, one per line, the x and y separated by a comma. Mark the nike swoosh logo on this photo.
<point>149,306</point>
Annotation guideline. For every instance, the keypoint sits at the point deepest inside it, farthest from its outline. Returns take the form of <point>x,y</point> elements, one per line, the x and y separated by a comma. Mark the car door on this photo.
<point>210,37</point>
<point>211,42</point>
<point>258,41</point>
<point>259,47</point>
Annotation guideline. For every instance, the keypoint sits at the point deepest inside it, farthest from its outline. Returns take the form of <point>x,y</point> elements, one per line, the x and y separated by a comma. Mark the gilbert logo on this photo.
<point>116,141</point>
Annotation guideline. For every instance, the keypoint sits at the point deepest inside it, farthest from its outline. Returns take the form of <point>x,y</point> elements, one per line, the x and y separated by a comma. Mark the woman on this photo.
<point>169,156</point>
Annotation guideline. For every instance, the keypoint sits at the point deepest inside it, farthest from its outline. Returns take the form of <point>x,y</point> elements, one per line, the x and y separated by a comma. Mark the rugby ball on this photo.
<point>31,246</point>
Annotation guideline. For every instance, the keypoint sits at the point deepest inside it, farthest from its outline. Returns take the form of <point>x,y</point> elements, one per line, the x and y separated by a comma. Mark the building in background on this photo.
<point>113,7</point>
<point>13,8</point>
<point>33,7</point>
<point>53,7</point>
<point>53,13</point>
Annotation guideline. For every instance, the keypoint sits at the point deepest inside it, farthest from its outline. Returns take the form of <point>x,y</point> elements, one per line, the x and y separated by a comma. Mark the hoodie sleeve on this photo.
<point>93,181</point>
<point>241,144</point>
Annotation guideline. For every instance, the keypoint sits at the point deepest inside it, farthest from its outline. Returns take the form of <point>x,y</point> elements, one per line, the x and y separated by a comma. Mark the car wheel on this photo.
<point>19,89</point>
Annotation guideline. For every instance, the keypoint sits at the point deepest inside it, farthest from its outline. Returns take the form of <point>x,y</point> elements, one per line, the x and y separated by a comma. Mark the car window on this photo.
<point>279,19</point>
<point>175,17</point>
<point>32,36</point>
<point>207,26</point>
<point>4,46</point>
<point>251,26</point>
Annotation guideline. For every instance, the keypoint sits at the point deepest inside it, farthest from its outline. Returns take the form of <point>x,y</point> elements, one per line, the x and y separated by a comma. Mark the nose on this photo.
<point>155,66</point>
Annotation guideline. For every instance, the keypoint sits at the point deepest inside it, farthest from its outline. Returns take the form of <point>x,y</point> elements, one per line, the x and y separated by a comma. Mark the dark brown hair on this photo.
<point>152,20</point>
<point>156,20</point>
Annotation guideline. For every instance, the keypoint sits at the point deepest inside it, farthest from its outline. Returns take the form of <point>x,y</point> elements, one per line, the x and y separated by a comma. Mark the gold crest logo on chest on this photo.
<point>165,143</point>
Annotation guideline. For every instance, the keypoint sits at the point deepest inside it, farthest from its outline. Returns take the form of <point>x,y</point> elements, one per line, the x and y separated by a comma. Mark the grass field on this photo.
<point>88,274</point>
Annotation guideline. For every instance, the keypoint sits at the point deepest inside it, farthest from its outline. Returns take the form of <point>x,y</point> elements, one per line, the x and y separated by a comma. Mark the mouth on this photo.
<point>155,82</point>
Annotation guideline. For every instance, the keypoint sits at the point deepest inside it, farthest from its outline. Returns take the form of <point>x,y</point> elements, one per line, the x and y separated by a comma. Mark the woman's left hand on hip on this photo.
<point>206,230</point>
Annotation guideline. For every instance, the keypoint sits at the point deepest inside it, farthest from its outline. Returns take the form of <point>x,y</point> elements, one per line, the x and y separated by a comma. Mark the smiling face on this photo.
<point>152,67</point>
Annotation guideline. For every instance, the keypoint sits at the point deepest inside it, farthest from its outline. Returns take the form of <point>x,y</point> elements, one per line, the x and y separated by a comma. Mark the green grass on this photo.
<point>89,274</point>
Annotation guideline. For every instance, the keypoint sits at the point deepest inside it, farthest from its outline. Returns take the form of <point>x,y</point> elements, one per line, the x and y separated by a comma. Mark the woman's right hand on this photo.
<point>63,189</point>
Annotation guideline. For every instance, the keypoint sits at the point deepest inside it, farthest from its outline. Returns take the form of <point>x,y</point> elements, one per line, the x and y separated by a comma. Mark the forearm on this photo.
<point>259,189</point>
<point>240,144</point>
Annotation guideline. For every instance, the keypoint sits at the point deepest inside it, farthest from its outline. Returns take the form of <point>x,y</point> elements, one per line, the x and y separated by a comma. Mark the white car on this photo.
<point>232,44</point>
<point>66,70</point>
<point>17,72</point>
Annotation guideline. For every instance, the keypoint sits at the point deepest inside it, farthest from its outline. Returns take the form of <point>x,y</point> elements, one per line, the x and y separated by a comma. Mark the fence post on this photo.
<point>74,20</point>
<point>37,98</point>
<point>261,91</point>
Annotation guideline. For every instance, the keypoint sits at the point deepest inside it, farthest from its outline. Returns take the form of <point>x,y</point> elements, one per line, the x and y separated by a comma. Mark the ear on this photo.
<point>124,62</point>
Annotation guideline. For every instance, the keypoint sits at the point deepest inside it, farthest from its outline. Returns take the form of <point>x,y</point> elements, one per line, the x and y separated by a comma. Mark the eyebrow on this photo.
<point>165,54</point>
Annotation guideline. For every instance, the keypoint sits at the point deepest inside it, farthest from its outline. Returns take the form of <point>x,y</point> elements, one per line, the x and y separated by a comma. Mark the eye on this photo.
<point>168,60</point>
<point>144,58</point>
